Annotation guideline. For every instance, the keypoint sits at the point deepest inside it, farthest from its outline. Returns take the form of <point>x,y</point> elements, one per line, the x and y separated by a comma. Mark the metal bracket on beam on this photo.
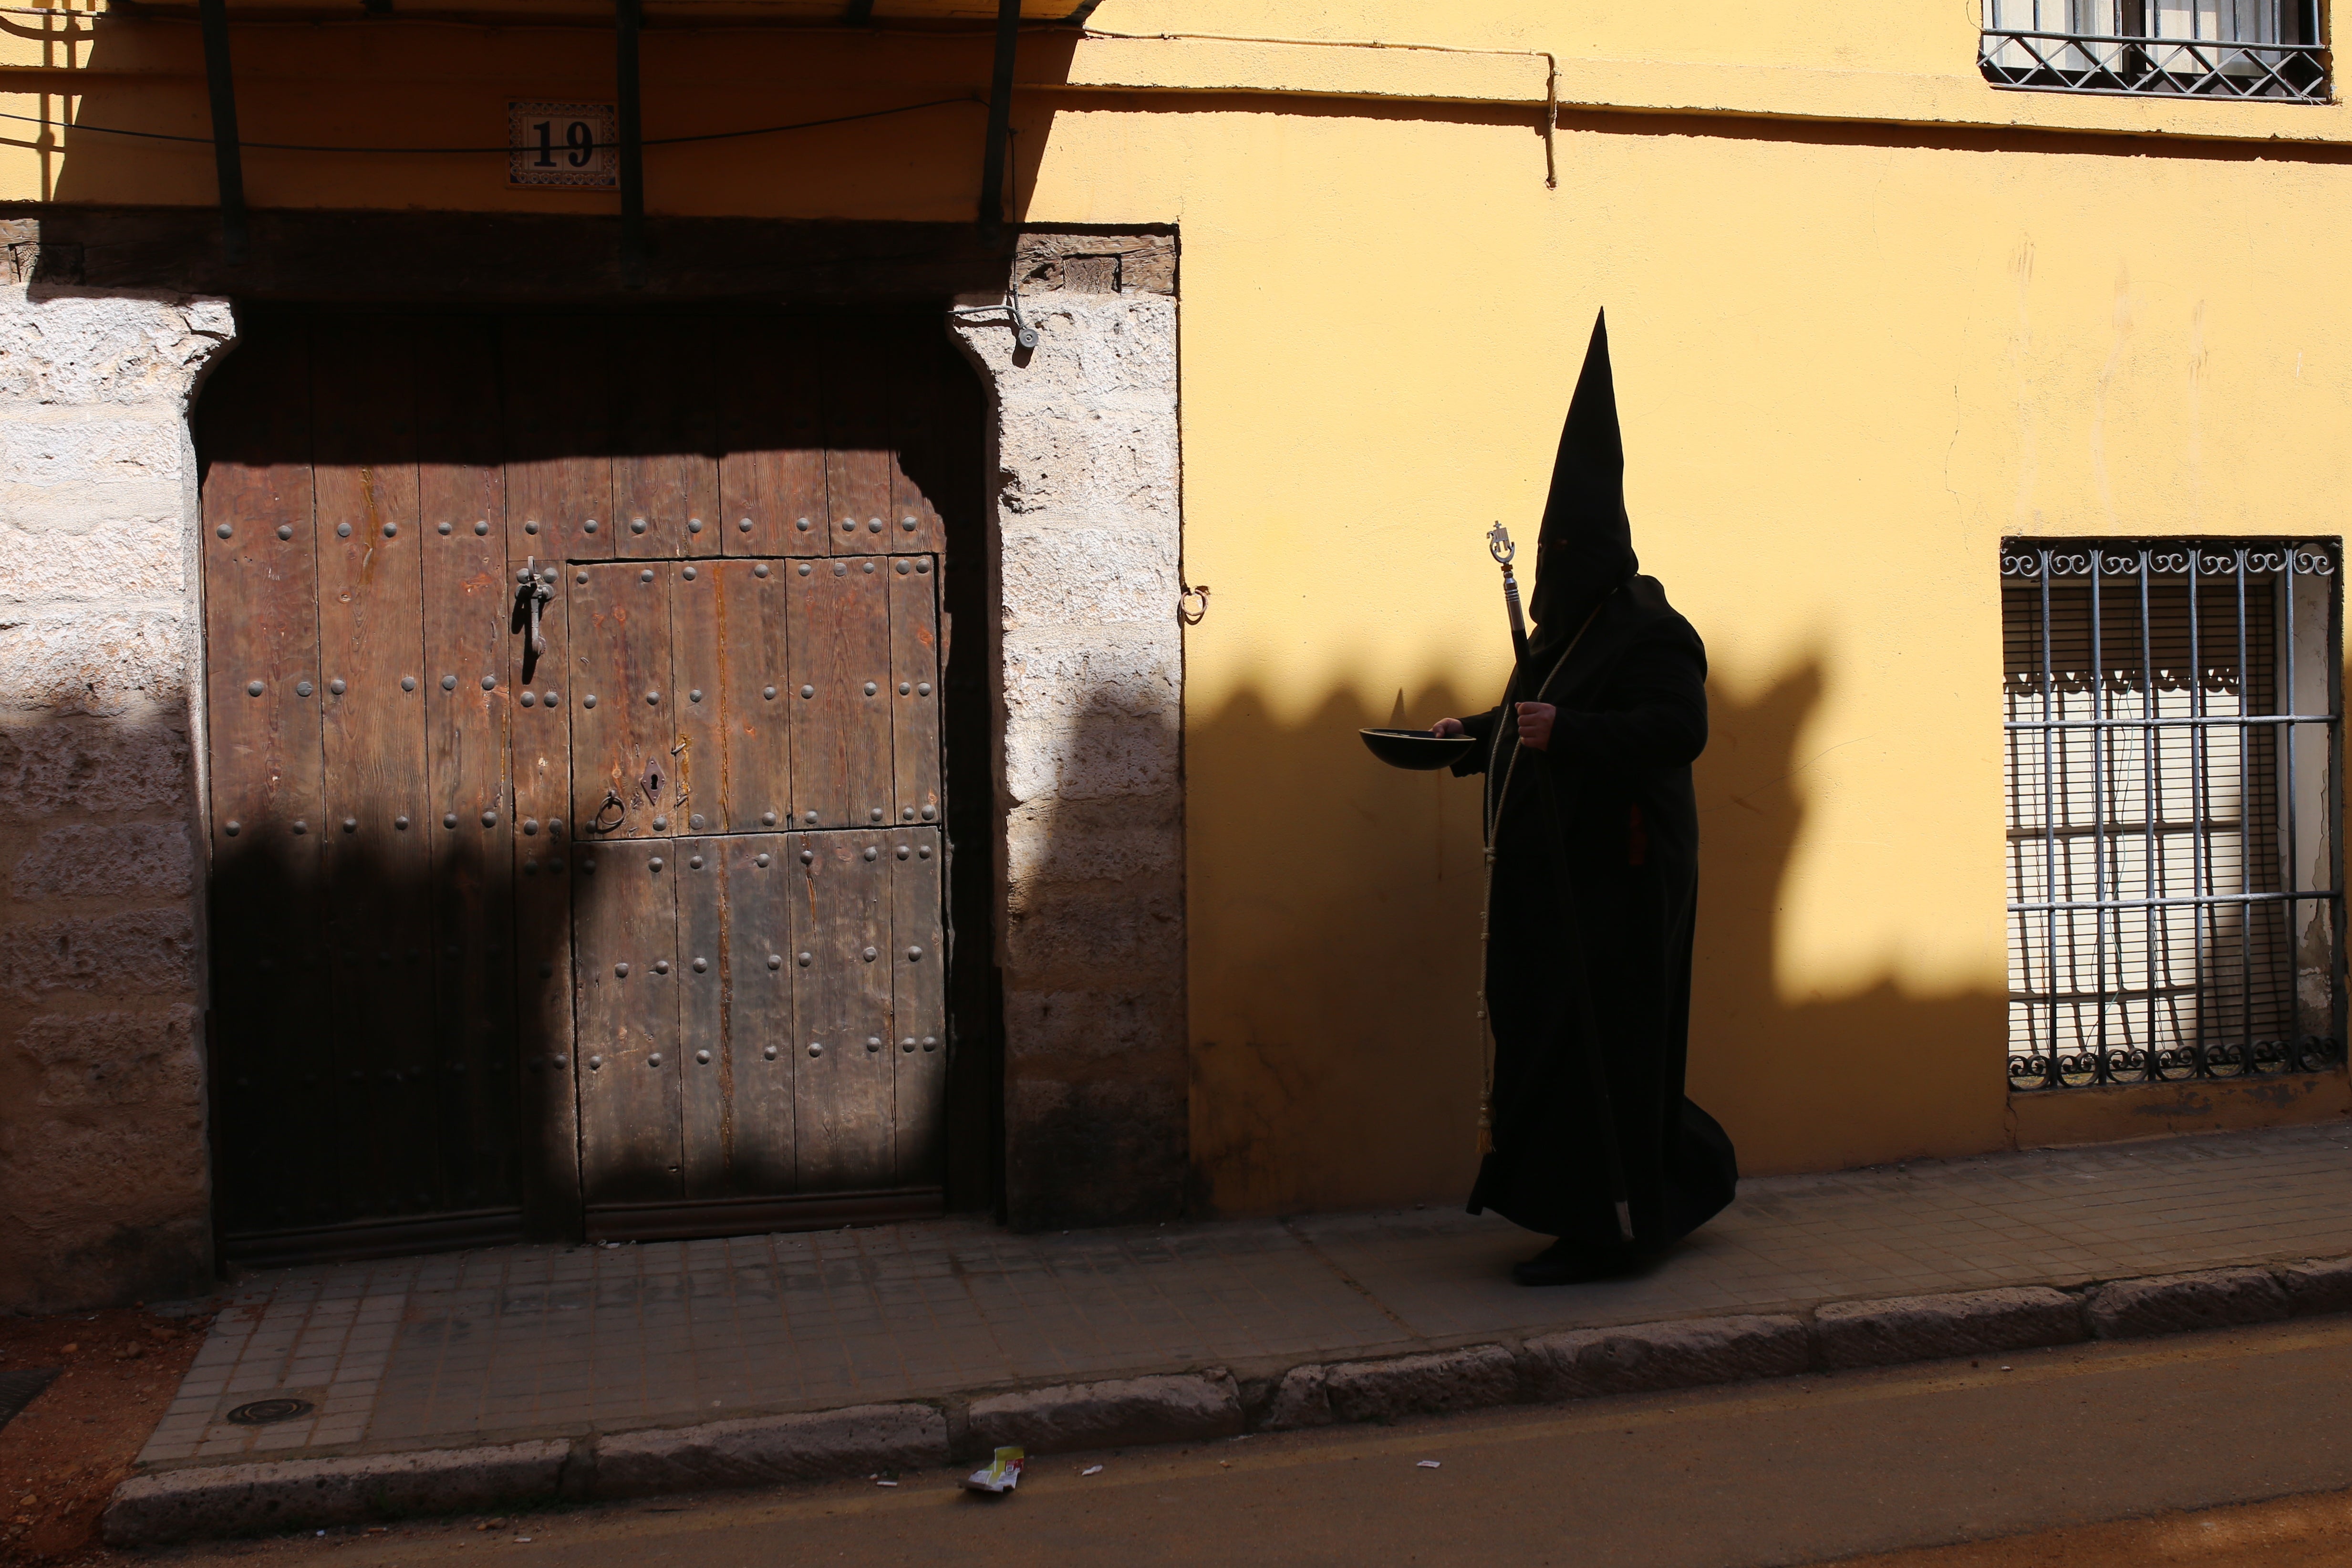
<point>1000,123</point>
<point>211,16</point>
<point>630,21</point>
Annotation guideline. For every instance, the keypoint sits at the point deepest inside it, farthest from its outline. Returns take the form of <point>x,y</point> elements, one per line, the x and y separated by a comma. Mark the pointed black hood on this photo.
<point>1585,550</point>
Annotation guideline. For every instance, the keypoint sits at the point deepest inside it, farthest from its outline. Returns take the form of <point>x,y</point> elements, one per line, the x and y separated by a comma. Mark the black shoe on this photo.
<point>1572,1263</point>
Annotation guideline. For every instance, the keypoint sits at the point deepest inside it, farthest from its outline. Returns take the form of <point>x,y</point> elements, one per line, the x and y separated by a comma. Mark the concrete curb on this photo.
<point>1467,1379</point>
<point>1127,1412</point>
<point>1687,1354</point>
<point>1209,1404</point>
<point>2322,1285</point>
<point>1930,1328</point>
<point>290,1494</point>
<point>2183,1303</point>
<point>764,1451</point>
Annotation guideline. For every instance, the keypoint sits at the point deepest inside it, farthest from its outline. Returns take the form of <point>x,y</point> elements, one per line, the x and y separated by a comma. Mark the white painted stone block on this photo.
<point>147,952</point>
<point>1093,758</point>
<point>92,661</point>
<point>50,768</point>
<point>115,1058</point>
<point>1044,844</point>
<point>101,860</point>
<point>95,350</point>
<point>1056,581</point>
<point>139,562</point>
<point>1129,672</point>
<point>58,451</point>
<point>1088,526</point>
<point>1099,462</point>
<point>1102,346</point>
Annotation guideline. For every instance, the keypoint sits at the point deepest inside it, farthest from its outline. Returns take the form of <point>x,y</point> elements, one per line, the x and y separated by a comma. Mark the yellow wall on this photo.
<point>1868,314</point>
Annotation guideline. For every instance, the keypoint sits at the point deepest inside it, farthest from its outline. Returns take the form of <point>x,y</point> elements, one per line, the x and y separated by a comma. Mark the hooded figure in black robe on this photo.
<point>1594,885</point>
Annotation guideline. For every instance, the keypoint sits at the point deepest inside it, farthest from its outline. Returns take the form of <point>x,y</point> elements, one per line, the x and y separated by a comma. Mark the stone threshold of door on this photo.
<point>1207,1404</point>
<point>663,1221</point>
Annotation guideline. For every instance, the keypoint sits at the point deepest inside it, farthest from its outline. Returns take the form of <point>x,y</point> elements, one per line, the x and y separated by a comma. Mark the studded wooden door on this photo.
<point>362,1029</point>
<point>756,882</point>
<point>574,747</point>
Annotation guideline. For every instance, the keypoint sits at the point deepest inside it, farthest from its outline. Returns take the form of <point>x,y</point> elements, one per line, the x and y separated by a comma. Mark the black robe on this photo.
<point>1596,844</point>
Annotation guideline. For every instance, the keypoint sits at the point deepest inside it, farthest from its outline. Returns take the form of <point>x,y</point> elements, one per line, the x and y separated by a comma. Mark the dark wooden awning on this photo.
<point>790,12</point>
<point>1005,17</point>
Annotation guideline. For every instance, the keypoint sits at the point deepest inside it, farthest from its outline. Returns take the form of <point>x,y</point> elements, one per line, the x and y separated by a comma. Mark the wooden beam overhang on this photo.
<point>921,15</point>
<point>211,16</point>
<point>629,112</point>
<point>228,163</point>
<point>1000,123</point>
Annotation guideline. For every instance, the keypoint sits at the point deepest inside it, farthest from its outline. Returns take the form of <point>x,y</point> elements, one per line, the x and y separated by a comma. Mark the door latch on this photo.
<point>532,592</point>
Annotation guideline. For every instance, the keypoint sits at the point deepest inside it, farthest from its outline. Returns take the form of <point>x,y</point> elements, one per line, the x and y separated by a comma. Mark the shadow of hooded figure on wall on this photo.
<point>1592,835</point>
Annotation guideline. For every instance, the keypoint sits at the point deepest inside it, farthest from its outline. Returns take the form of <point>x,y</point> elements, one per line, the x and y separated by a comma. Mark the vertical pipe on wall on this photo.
<point>211,16</point>
<point>628,21</point>
<point>1000,122</point>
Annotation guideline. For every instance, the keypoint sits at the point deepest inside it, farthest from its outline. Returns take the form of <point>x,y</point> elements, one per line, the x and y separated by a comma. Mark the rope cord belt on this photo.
<point>1492,821</point>
<point>1596,1069</point>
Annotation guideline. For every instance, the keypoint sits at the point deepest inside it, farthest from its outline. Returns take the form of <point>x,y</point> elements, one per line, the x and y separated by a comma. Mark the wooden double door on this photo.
<point>574,715</point>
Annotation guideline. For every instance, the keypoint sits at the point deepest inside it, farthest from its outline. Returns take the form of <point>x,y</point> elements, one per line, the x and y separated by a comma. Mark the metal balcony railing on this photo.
<point>2148,66</point>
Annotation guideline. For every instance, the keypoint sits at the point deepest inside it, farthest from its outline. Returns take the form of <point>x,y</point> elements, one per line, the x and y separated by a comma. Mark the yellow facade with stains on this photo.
<point>1870,316</point>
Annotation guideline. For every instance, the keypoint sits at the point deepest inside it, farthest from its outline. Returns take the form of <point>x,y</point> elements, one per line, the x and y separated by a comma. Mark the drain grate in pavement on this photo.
<point>262,1412</point>
<point>18,1389</point>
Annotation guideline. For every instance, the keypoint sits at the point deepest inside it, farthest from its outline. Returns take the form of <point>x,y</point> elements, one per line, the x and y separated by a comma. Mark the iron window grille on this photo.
<point>2200,48</point>
<point>2175,869</point>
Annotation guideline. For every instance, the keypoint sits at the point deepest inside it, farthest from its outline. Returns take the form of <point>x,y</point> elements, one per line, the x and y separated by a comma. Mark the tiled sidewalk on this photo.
<point>548,1340</point>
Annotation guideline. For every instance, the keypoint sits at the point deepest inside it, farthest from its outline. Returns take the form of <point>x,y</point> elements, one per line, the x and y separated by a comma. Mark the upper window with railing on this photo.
<point>2197,49</point>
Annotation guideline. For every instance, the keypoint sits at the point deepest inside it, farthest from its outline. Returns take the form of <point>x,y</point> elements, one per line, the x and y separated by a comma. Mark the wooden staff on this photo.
<point>1499,546</point>
<point>1596,1066</point>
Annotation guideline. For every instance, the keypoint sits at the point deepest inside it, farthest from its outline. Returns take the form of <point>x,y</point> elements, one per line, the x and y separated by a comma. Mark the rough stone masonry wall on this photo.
<point>1091,935</point>
<point>102,1158</point>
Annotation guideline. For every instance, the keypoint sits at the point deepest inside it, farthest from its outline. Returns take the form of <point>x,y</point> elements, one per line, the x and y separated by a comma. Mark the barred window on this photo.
<point>2175,874</point>
<point>2211,48</point>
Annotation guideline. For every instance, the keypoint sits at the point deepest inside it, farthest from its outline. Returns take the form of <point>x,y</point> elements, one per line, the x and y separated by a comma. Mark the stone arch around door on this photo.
<point>1089,503</point>
<point>114,318</point>
<point>573,708</point>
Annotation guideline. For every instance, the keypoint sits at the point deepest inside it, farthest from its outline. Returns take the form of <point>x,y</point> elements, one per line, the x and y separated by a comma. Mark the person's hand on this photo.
<point>1447,728</point>
<point>1535,725</point>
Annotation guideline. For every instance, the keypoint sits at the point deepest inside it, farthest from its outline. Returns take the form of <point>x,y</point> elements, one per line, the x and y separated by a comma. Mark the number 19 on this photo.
<point>579,137</point>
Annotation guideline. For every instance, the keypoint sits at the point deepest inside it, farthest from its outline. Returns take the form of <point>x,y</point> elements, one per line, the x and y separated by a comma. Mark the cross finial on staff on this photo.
<point>1499,546</point>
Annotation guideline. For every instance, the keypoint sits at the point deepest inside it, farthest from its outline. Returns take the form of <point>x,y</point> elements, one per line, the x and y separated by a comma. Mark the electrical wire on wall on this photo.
<point>1548,127</point>
<point>1551,67</point>
<point>500,151</point>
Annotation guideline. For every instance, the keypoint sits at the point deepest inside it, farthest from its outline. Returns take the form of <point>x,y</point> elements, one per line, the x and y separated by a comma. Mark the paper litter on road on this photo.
<point>1091,1470</point>
<point>1428,1464</point>
<point>1000,1476</point>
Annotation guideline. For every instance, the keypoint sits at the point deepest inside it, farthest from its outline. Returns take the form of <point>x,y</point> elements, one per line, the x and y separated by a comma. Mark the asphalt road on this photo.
<point>1993,1455</point>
